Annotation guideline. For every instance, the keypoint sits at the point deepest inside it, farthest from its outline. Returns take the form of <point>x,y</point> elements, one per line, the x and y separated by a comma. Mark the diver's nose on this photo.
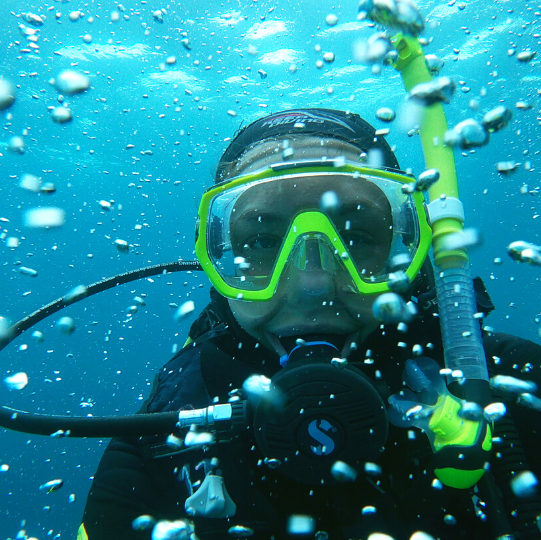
<point>307,286</point>
<point>310,278</point>
<point>313,255</point>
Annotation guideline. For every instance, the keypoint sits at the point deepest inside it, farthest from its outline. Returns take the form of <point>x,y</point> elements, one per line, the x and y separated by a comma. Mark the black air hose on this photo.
<point>508,461</point>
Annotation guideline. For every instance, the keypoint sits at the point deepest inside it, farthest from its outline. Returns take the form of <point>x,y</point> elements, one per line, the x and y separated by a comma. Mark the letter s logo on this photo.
<point>326,444</point>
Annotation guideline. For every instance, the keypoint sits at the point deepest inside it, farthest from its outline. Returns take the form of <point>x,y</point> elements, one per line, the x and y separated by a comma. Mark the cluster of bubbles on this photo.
<point>184,310</point>
<point>424,181</point>
<point>402,15</point>
<point>391,308</point>
<point>31,33</point>
<point>524,252</point>
<point>471,133</point>
<point>137,302</point>
<point>17,381</point>
<point>33,183</point>
<point>164,529</point>
<point>297,525</point>
<point>64,325</point>
<point>51,486</point>
<point>67,82</point>
<point>376,50</point>
<point>439,90</point>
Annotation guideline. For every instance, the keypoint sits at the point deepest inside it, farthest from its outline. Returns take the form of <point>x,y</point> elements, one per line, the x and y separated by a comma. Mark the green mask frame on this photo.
<point>305,223</point>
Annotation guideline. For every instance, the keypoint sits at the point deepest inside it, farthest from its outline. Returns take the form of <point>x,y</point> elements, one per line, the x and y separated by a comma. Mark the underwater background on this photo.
<point>166,94</point>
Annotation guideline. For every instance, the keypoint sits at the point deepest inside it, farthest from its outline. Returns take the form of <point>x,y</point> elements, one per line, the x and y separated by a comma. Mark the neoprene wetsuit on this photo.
<point>130,481</point>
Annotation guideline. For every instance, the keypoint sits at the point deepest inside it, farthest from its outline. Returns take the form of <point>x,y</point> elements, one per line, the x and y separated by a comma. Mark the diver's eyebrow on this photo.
<point>354,206</point>
<point>366,210</point>
<point>258,215</point>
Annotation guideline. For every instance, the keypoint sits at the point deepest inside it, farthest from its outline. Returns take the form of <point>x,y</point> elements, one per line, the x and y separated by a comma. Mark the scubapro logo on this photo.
<point>293,118</point>
<point>319,430</point>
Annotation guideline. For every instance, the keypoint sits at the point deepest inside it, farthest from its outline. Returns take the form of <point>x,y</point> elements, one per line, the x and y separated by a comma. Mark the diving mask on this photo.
<point>330,214</point>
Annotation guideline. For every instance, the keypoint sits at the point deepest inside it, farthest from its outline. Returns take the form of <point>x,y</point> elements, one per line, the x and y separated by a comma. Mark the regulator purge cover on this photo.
<point>327,414</point>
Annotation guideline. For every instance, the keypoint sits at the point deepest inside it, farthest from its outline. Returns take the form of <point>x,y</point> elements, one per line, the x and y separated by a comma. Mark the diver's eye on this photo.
<point>263,241</point>
<point>357,238</point>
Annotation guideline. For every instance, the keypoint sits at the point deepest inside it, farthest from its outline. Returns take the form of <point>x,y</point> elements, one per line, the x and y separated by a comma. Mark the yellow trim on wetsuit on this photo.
<point>81,533</point>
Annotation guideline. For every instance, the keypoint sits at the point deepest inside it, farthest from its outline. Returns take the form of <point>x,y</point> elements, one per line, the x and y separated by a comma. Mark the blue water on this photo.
<point>110,359</point>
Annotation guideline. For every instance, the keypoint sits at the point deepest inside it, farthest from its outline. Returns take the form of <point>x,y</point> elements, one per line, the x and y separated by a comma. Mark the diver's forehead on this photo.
<point>293,193</point>
<point>270,152</point>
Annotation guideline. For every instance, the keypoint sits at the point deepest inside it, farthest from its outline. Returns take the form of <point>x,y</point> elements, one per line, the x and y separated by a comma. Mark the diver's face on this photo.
<point>360,212</point>
<point>320,297</point>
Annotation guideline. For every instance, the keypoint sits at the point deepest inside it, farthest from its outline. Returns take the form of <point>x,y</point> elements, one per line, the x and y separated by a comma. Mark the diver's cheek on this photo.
<point>253,316</point>
<point>359,308</point>
<point>256,317</point>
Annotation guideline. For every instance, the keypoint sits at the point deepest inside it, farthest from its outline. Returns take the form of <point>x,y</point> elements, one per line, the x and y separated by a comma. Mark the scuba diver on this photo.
<point>304,379</point>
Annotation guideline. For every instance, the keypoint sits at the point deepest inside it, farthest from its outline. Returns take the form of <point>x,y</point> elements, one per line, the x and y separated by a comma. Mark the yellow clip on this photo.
<point>449,428</point>
<point>81,533</point>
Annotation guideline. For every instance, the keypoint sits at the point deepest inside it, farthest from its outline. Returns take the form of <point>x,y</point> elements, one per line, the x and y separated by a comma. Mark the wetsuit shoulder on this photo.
<point>511,355</point>
<point>519,428</point>
<point>128,482</point>
<point>179,384</point>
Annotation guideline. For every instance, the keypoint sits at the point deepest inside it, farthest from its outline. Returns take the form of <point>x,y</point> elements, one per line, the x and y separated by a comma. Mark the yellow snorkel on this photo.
<point>412,67</point>
<point>461,333</point>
